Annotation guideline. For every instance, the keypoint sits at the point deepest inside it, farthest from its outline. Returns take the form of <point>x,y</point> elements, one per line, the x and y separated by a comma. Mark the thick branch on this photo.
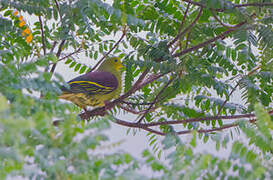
<point>209,41</point>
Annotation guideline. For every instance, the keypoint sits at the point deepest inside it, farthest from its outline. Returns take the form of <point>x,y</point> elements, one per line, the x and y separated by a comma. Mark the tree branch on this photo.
<point>237,84</point>
<point>182,23</point>
<point>42,34</point>
<point>184,18</point>
<point>58,9</point>
<point>226,126</point>
<point>210,40</point>
<point>231,92</point>
<point>234,5</point>
<point>136,104</point>
<point>187,29</point>
<point>232,117</point>
<point>131,110</point>
<point>254,4</point>
<point>146,126</point>
<point>156,99</point>
<point>116,44</point>
<point>53,46</point>
<point>58,55</point>
<point>71,54</point>
<point>218,20</point>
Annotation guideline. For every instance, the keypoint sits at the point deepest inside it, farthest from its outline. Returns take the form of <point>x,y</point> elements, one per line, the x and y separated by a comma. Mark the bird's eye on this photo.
<point>116,60</point>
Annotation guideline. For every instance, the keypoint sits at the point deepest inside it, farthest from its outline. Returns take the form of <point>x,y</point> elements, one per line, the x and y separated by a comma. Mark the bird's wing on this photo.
<point>93,83</point>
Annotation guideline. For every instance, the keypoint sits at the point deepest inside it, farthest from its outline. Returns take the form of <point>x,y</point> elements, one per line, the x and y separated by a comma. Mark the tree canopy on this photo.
<point>202,68</point>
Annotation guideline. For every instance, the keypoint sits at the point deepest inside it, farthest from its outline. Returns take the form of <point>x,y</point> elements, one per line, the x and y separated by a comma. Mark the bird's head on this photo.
<point>109,63</point>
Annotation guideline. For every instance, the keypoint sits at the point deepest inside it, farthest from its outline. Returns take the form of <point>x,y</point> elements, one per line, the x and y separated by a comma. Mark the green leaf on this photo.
<point>77,67</point>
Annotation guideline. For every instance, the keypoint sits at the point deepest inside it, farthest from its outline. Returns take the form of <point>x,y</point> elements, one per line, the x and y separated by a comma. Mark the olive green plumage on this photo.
<point>97,87</point>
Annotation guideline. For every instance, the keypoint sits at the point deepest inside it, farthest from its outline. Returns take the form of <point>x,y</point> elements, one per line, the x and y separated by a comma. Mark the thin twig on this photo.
<point>60,48</point>
<point>187,40</point>
<point>156,99</point>
<point>232,117</point>
<point>42,34</point>
<point>195,3</point>
<point>151,78</point>
<point>218,20</point>
<point>153,131</point>
<point>75,52</point>
<point>209,41</point>
<point>234,5</point>
<point>132,110</point>
<point>184,18</point>
<point>58,9</point>
<point>187,29</point>
<point>181,26</point>
<point>226,126</point>
<point>57,55</point>
<point>224,103</point>
<point>53,46</point>
<point>235,87</point>
<point>254,4</point>
<point>175,47</point>
<point>136,104</point>
<point>116,44</point>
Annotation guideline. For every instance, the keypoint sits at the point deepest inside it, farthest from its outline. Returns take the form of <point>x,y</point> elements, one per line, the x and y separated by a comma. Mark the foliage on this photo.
<point>196,54</point>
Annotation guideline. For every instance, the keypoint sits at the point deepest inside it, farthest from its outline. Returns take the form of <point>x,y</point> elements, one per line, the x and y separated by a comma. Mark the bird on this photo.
<point>95,88</point>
